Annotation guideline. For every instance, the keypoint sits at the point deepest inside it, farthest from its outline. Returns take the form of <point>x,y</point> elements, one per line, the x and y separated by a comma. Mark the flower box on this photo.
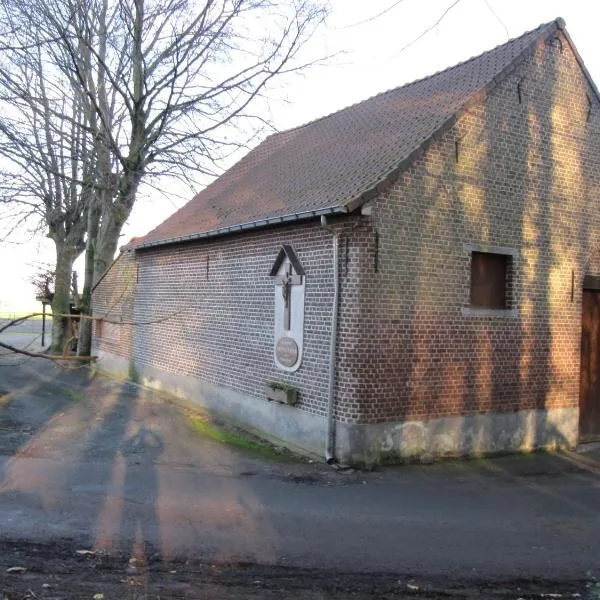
<point>281,392</point>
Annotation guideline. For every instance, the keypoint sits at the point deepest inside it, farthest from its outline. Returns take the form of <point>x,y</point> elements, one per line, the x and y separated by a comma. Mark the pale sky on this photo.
<point>369,57</point>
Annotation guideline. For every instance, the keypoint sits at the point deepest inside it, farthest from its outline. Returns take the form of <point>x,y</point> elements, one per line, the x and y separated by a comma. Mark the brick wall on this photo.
<point>523,175</point>
<point>113,301</point>
<point>212,304</point>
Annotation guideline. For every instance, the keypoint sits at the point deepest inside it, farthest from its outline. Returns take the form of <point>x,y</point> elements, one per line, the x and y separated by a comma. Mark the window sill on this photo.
<point>474,311</point>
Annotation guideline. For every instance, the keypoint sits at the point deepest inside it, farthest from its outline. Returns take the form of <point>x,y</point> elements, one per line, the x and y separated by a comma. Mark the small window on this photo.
<point>490,274</point>
<point>99,324</point>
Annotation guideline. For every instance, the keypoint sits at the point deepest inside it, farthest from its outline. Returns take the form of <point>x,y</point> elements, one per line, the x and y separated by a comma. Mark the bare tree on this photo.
<point>183,75</point>
<point>46,149</point>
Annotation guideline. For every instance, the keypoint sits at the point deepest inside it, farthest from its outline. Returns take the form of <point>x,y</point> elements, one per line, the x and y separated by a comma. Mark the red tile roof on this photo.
<point>334,164</point>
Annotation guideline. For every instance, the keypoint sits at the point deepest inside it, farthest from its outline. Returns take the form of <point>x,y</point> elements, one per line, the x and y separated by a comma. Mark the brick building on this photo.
<point>414,270</point>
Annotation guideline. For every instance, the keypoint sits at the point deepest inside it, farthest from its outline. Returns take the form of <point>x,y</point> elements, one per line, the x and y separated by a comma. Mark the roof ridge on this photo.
<point>558,22</point>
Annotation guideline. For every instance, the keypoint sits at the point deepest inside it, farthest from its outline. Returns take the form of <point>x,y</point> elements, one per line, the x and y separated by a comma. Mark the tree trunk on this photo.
<point>102,244</point>
<point>107,242</point>
<point>65,257</point>
<point>99,198</point>
<point>113,220</point>
<point>100,250</point>
<point>84,344</point>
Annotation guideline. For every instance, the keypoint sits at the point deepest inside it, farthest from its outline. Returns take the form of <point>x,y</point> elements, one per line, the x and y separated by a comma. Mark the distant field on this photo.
<point>32,325</point>
<point>10,315</point>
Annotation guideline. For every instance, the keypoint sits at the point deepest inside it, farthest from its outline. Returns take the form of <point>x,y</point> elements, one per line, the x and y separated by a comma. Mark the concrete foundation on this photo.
<point>366,444</point>
<point>473,435</point>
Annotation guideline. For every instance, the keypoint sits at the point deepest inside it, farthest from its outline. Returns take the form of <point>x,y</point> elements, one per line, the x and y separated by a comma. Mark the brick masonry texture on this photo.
<point>520,175</point>
<point>514,173</point>
<point>217,299</point>
<point>113,299</point>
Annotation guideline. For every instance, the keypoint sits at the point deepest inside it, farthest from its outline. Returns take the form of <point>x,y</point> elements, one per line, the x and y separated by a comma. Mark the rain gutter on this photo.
<point>283,220</point>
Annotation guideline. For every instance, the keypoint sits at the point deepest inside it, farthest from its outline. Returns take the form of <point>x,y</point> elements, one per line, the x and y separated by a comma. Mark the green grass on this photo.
<point>13,332</point>
<point>281,385</point>
<point>199,424</point>
<point>5,399</point>
<point>11,316</point>
<point>132,375</point>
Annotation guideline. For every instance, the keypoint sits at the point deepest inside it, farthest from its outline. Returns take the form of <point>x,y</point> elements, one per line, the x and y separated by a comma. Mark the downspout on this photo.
<point>330,446</point>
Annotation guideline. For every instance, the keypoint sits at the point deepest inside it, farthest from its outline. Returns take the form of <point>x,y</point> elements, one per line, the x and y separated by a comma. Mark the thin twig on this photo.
<point>369,19</point>
<point>498,19</point>
<point>422,35</point>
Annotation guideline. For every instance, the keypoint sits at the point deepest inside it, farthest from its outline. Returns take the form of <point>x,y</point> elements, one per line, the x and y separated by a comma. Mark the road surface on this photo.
<point>117,471</point>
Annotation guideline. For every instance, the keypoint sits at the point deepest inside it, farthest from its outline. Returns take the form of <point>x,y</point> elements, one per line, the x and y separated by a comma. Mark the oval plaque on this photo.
<point>286,351</point>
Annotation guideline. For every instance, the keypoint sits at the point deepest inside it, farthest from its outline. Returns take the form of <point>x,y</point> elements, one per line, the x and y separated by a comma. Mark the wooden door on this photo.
<point>589,392</point>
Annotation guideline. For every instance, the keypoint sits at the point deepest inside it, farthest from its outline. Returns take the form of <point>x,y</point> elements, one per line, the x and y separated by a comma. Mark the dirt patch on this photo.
<point>62,570</point>
<point>308,479</point>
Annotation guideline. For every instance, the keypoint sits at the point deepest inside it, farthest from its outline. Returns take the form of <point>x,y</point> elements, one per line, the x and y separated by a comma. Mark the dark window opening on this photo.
<point>490,280</point>
<point>99,328</point>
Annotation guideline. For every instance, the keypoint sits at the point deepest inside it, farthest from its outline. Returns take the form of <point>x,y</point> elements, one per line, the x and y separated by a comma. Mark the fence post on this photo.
<point>43,323</point>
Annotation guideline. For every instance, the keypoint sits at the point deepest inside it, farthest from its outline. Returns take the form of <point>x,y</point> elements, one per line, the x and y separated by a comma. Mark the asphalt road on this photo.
<point>27,337</point>
<point>116,469</point>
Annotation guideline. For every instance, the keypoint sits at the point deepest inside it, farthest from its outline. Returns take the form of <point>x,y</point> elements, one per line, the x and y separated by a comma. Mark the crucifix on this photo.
<point>286,281</point>
<point>289,276</point>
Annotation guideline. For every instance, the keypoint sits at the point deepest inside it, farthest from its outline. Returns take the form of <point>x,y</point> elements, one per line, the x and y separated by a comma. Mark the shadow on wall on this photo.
<point>510,175</point>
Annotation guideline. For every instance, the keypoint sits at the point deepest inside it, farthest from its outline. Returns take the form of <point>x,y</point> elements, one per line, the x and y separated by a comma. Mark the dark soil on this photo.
<point>61,570</point>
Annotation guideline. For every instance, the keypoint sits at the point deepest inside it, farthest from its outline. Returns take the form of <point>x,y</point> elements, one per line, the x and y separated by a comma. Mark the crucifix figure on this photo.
<point>286,281</point>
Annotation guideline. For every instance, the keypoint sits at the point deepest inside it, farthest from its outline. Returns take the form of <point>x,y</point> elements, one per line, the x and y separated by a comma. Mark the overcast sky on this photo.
<point>371,54</point>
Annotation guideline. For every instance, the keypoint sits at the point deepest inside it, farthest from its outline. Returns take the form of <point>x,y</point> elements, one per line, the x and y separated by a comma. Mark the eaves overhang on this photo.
<point>259,224</point>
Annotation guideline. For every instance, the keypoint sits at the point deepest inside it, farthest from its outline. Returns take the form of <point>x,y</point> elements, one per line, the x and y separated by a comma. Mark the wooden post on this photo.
<point>43,323</point>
